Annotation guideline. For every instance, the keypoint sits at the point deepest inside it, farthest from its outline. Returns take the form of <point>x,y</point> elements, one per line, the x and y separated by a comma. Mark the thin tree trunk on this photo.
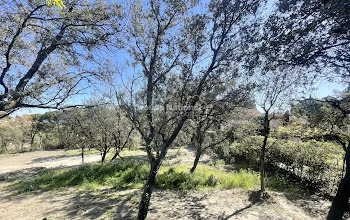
<point>103,156</point>
<point>3,146</point>
<point>32,141</point>
<point>40,142</point>
<point>196,160</point>
<point>262,165</point>
<point>82,155</point>
<point>115,155</point>
<point>341,200</point>
<point>147,191</point>
<point>198,139</point>
<point>263,150</point>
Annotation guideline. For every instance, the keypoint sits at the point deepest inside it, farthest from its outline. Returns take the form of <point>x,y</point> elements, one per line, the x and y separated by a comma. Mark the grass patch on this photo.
<point>133,174</point>
<point>205,177</point>
<point>123,175</point>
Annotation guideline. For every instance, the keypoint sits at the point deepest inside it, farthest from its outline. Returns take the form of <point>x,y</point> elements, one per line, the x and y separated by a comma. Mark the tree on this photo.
<point>212,125</point>
<point>264,55</point>
<point>178,59</point>
<point>309,33</point>
<point>309,108</point>
<point>286,118</point>
<point>49,129</point>
<point>273,90</point>
<point>15,132</point>
<point>102,127</point>
<point>23,124</point>
<point>74,136</point>
<point>123,134</point>
<point>35,43</point>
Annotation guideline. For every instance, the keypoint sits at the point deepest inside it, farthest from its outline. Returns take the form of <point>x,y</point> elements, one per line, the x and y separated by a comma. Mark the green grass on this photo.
<point>132,174</point>
<point>205,177</point>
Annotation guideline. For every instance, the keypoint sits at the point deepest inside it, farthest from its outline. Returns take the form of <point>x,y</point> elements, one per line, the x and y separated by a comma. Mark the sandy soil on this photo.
<point>41,159</point>
<point>112,204</point>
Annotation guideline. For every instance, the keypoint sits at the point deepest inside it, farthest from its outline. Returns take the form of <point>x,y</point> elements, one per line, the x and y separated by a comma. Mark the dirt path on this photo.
<point>70,203</point>
<point>44,159</point>
<point>108,204</point>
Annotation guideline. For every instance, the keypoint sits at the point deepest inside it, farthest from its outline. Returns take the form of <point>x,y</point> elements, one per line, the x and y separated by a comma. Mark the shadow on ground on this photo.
<point>94,205</point>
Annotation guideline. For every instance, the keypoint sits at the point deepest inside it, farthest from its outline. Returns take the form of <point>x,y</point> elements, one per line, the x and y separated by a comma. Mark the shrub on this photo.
<point>316,163</point>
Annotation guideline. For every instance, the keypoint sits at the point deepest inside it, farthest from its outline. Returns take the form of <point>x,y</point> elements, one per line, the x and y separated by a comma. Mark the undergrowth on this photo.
<point>133,174</point>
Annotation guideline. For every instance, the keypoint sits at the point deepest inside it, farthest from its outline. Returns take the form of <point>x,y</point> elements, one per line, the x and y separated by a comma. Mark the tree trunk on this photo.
<point>262,165</point>
<point>82,155</point>
<point>263,150</point>
<point>40,142</point>
<point>115,155</point>
<point>341,200</point>
<point>32,141</point>
<point>147,191</point>
<point>196,160</point>
<point>3,146</point>
<point>103,156</point>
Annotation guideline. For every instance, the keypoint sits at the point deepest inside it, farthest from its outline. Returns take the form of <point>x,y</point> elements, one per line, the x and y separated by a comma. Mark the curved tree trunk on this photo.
<point>147,191</point>
<point>341,200</point>
<point>196,160</point>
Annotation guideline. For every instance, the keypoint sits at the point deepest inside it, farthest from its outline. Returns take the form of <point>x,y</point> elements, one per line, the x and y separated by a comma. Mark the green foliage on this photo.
<point>307,108</point>
<point>292,188</point>
<point>14,133</point>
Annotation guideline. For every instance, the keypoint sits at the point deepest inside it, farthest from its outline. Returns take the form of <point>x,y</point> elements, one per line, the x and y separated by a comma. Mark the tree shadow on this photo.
<point>22,174</point>
<point>93,205</point>
<point>178,205</point>
<point>313,204</point>
<point>50,158</point>
<point>255,197</point>
<point>237,212</point>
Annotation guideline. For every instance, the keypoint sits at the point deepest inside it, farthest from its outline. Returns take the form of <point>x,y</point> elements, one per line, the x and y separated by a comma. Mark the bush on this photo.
<point>315,163</point>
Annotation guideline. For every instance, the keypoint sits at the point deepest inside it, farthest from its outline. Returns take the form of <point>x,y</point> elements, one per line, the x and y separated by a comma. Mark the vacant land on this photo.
<point>108,202</point>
